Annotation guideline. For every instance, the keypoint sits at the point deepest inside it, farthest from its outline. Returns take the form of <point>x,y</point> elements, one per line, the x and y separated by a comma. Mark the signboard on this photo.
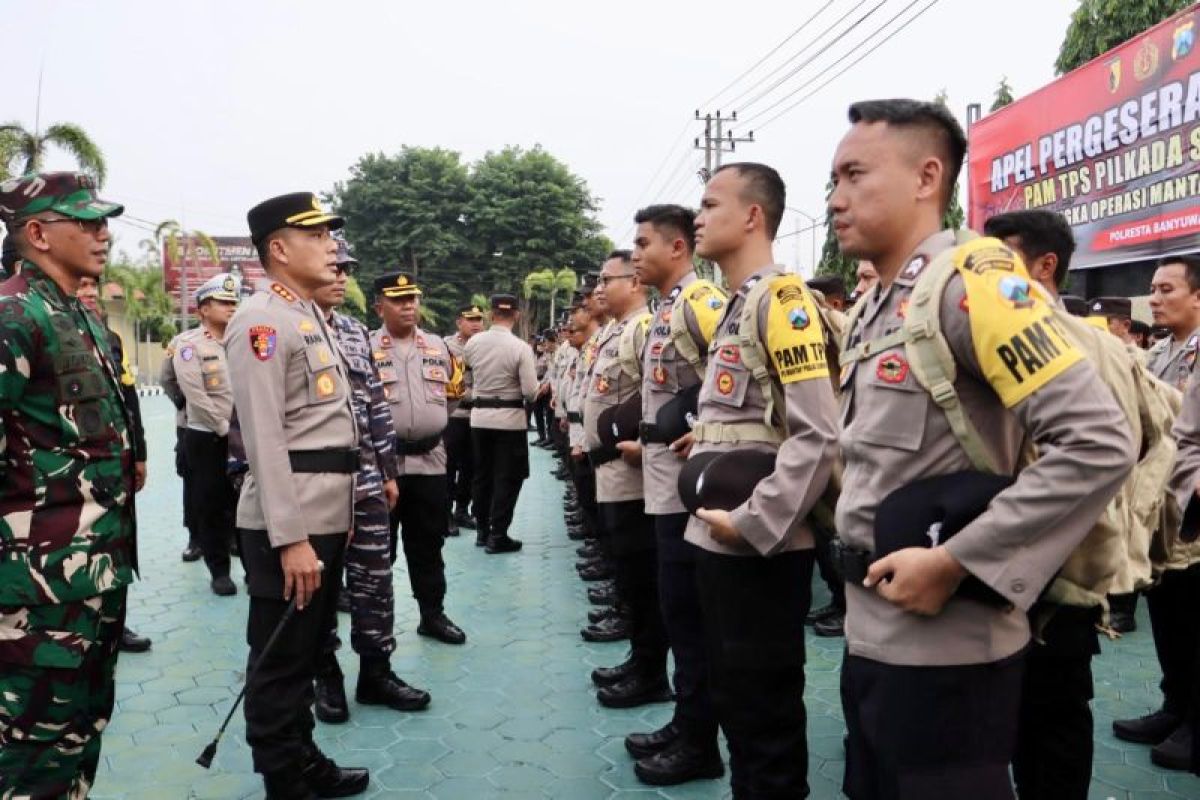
<point>1114,146</point>
<point>233,251</point>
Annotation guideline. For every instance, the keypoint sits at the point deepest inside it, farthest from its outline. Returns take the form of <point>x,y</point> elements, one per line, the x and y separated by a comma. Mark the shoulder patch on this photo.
<point>1020,344</point>
<point>263,340</point>
<point>914,267</point>
<point>794,337</point>
<point>187,352</point>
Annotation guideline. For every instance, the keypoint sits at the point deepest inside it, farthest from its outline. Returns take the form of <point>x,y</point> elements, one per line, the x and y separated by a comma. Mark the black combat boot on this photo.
<point>330,689</point>
<point>379,686</point>
<point>681,762</point>
<point>287,784</point>
<point>463,519</point>
<point>500,543</point>
<point>641,745</point>
<point>327,779</point>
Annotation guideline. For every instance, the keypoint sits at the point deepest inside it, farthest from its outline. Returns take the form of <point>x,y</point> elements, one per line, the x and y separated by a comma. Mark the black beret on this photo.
<point>677,415</point>
<point>397,284</point>
<point>723,480</point>
<point>619,423</point>
<point>1120,307</point>
<point>295,210</point>
<point>1075,306</point>
<point>930,511</point>
<point>829,285</point>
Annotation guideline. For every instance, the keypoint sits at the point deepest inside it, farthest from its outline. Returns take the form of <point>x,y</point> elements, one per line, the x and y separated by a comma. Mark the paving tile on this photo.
<point>514,713</point>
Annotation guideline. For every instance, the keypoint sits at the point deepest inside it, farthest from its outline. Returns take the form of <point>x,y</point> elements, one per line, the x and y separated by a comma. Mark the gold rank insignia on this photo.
<point>306,326</point>
<point>325,385</point>
<point>283,291</point>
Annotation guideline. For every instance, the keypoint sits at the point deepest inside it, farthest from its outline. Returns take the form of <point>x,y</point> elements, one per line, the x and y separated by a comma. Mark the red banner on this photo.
<point>195,259</point>
<point>1113,146</point>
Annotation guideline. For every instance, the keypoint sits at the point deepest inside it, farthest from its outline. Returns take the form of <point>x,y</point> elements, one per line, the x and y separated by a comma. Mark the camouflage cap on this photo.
<point>72,194</point>
<point>345,251</point>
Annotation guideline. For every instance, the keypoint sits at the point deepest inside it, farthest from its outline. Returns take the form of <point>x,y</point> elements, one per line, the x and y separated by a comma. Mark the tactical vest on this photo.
<point>1107,559</point>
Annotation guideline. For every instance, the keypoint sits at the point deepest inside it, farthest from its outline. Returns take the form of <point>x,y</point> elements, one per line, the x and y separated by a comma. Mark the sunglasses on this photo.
<point>91,226</point>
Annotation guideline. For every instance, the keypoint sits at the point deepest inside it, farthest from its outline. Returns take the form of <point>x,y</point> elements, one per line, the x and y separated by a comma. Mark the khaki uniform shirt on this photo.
<point>415,373</point>
<point>564,358</point>
<point>893,434</point>
<point>203,378</point>
<point>170,384</point>
<point>609,386</point>
<point>455,344</point>
<point>1171,361</point>
<point>773,519</point>
<point>501,368</point>
<point>666,374</point>
<point>291,393</point>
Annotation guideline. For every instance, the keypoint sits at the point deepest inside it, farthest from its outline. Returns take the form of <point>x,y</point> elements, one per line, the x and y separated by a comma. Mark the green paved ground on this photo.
<point>513,713</point>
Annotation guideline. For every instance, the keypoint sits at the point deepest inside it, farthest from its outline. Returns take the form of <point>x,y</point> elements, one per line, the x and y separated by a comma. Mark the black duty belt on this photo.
<point>417,447</point>
<point>466,405</point>
<point>330,459</point>
<point>649,433</point>
<point>497,402</point>
<point>854,563</point>
<point>602,455</point>
<point>575,416</point>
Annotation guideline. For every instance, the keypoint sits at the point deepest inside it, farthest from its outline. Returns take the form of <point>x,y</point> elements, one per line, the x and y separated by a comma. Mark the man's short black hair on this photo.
<point>671,220</point>
<point>625,255</point>
<point>1191,267</point>
<point>764,188</point>
<point>934,118</point>
<point>1040,232</point>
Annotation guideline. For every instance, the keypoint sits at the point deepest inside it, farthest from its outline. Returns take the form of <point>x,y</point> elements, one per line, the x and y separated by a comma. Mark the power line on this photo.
<point>849,66</point>
<point>827,68</point>
<point>811,58</point>
<point>770,53</point>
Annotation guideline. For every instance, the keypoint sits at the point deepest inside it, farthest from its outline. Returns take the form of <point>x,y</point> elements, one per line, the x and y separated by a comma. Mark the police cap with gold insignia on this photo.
<point>397,284</point>
<point>928,512</point>
<point>72,194</point>
<point>219,287</point>
<point>504,302</point>
<point>295,210</point>
<point>1119,307</point>
<point>723,479</point>
<point>470,312</point>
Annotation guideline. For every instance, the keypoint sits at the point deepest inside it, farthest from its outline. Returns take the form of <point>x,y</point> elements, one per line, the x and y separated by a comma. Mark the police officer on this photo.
<point>541,406</point>
<point>675,356</point>
<point>201,373</point>
<point>503,379</point>
<point>1175,303</point>
<point>764,390</point>
<point>912,642</point>
<point>170,386</point>
<point>421,382</point>
<point>368,561</point>
<point>293,405</point>
<point>460,458</point>
<point>66,490</point>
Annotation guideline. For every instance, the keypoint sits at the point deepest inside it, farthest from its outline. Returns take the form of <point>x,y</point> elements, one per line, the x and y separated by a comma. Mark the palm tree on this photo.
<point>172,240</point>
<point>548,285</point>
<point>29,148</point>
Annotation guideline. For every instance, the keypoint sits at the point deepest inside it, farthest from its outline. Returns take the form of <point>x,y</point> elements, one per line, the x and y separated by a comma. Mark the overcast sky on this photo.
<point>204,108</point>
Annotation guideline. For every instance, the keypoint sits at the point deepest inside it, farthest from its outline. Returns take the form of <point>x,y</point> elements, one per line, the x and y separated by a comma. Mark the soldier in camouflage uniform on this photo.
<point>368,555</point>
<point>67,526</point>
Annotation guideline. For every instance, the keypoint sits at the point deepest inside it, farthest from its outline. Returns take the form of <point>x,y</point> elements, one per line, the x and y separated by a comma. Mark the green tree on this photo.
<point>954,216</point>
<point>20,146</point>
<point>147,303</point>
<point>172,242</point>
<point>1098,26</point>
<point>832,261</point>
<point>529,212</point>
<point>543,291</point>
<point>1003,97</point>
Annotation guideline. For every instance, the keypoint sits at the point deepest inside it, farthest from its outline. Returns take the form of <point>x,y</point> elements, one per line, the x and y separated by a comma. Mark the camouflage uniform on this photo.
<point>368,559</point>
<point>67,526</point>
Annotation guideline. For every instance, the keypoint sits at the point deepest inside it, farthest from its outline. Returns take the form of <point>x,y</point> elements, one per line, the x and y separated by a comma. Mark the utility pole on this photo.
<point>717,140</point>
